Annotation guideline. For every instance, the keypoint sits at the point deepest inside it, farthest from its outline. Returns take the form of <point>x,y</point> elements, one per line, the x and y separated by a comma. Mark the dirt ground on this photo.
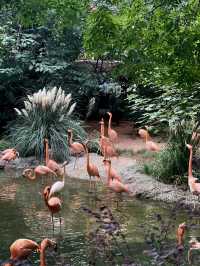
<point>130,144</point>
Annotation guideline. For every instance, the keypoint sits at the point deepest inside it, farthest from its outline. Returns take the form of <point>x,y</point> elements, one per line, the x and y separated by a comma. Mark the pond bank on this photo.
<point>141,185</point>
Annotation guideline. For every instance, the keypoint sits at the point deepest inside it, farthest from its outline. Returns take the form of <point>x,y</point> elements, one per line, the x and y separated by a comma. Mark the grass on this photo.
<point>46,114</point>
<point>4,144</point>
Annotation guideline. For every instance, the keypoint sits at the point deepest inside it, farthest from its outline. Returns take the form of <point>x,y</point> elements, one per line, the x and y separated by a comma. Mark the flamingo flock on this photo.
<point>21,249</point>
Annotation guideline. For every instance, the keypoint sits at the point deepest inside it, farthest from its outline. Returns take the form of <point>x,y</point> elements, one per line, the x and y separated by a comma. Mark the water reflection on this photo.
<point>24,215</point>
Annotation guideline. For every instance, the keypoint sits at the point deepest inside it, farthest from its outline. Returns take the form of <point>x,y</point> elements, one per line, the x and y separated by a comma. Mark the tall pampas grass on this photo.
<point>47,113</point>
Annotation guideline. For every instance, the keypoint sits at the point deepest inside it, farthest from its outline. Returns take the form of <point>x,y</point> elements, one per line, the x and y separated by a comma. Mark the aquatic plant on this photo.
<point>47,113</point>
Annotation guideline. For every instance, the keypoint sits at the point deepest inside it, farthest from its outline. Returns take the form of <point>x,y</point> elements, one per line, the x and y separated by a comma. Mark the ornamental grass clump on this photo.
<point>47,113</point>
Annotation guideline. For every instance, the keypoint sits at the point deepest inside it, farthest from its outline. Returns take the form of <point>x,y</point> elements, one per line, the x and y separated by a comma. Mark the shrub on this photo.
<point>47,114</point>
<point>171,163</point>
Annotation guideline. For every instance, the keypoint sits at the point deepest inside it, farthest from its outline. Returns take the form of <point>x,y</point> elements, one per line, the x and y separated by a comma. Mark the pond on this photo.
<point>23,214</point>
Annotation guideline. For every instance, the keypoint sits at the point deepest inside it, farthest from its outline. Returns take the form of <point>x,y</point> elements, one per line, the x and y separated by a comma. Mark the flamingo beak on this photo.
<point>17,153</point>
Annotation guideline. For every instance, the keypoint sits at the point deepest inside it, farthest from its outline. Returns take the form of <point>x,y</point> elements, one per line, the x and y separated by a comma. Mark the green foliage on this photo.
<point>4,144</point>
<point>171,163</point>
<point>151,105</point>
<point>47,114</point>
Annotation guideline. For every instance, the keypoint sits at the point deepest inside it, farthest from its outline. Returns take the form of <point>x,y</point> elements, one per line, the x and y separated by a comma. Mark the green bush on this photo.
<point>171,163</point>
<point>47,114</point>
<point>4,144</point>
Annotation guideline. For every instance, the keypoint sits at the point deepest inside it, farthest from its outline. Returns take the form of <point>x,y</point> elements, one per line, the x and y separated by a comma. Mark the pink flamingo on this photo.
<point>51,164</point>
<point>112,134</point>
<point>150,145</point>
<point>76,148</point>
<point>92,169</point>
<point>114,184</point>
<point>9,155</point>
<point>193,185</point>
<point>180,235</point>
<point>39,171</point>
<point>53,203</point>
<point>21,249</point>
<point>113,172</point>
<point>106,146</point>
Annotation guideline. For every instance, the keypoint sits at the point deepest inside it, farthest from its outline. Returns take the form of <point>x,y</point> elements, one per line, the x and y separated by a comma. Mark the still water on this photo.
<point>23,214</point>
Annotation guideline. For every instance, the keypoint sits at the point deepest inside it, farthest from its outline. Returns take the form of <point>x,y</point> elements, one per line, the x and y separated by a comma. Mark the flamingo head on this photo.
<point>101,122</point>
<point>182,226</point>
<point>107,162</point>
<point>45,140</point>
<point>48,243</point>
<point>46,192</point>
<point>109,113</point>
<point>193,241</point>
<point>27,172</point>
<point>142,132</point>
<point>189,146</point>
<point>69,131</point>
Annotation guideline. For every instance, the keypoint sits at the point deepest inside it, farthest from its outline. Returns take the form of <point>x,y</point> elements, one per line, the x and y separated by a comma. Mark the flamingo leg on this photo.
<point>60,220</point>
<point>75,161</point>
<point>52,222</point>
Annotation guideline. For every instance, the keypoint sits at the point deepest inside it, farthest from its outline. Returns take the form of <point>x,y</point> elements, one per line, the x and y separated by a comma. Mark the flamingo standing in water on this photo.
<point>54,204</point>
<point>39,171</point>
<point>180,235</point>
<point>76,148</point>
<point>106,146</point>
<point>46,243</point>
<point>92,169</point>
<point>113,172</point>
<point>150,145</point>
<point>192,181</point>
<point>21,249</point>
<point>112,134</point>
<point>114,184</point>
<point>51,164</point>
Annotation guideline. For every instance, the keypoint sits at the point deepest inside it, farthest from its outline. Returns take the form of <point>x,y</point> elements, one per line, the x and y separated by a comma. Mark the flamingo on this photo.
<point>21,249</point>
<point>106,146</point>
<point>8,150</point>
<point>112,134</point>
<point>54,203</point>
<point>193,185</point>
<point>39,171</point>
<point>91,168</point>
<point>113,172</point>
<point>53,165</point>
<point>180,234</point>
<point>59,185</point>
<point>76,147</point>
<point>46,243</point>
<point>194,245</point>
<point>150,145</point>
<point>114,184</point>
<point>10,155</point>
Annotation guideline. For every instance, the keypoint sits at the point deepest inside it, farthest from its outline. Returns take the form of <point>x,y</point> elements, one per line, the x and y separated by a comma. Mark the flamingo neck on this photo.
<point>46,153</point>
<point>42,258</point>
<point>70,138</point>
<point>88,157</point>
<point>102,129</point>
<point>109,121</point>
<point>32,176</point>
<point>190,165</point>
<point>146,137</point>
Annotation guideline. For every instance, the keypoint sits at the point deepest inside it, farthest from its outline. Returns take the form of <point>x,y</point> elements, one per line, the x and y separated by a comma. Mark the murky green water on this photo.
<point>23,214</point>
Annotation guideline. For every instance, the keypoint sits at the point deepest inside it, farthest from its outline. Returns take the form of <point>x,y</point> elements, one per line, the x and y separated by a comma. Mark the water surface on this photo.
<point>23,214</point>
